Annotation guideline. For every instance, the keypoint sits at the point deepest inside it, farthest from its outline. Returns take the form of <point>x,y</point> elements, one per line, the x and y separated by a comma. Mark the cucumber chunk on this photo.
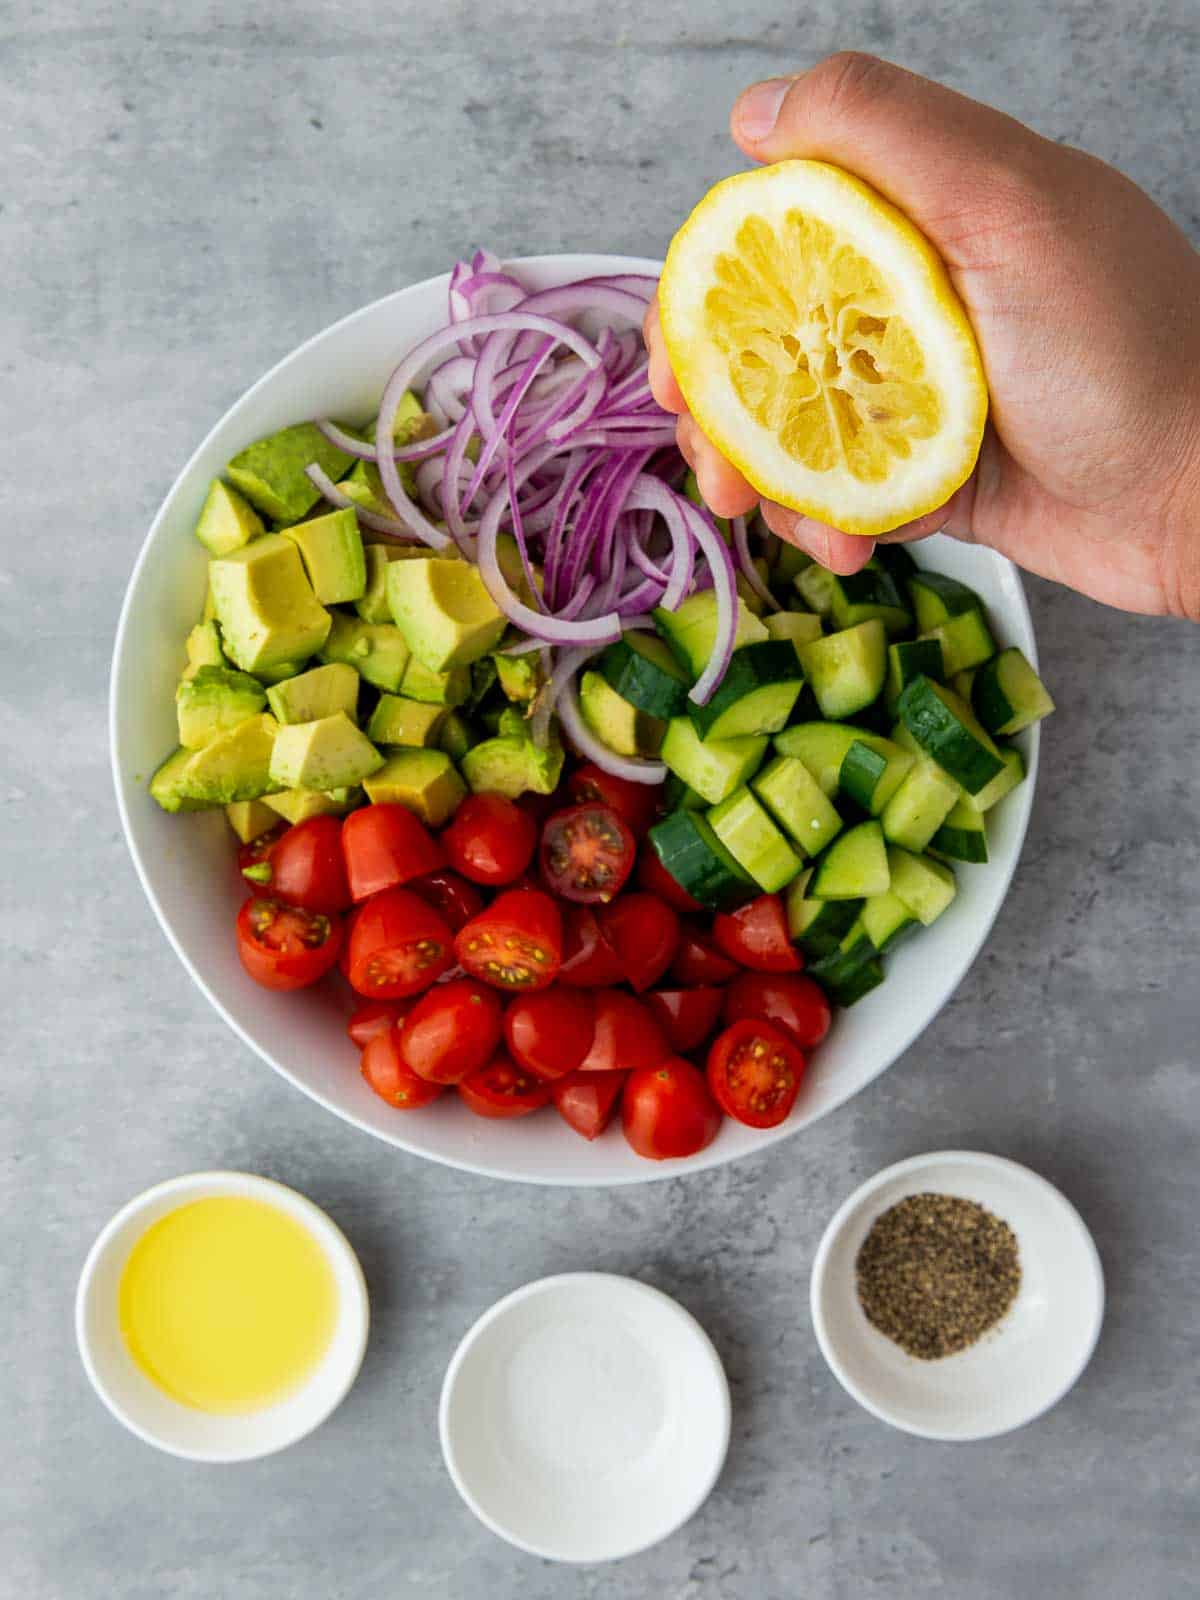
<point>698,861</point>
<point>962,837</point>
<point>801,627</point>
<point>817,926</point>
<point>963,683</point>
<point>926,887</point>
<point>965,641</point>
<point>870,593</point>
<point>821,746</point>
<point>755,696</point>
<point>884,918</point>
<point>714,768</point>
<point>1012,774</point>
<point>642,670</point>
<point>795,798</point>
<point>1007,694</point>
<point>846,669</point>
<point>873,768</point>
<point>947,729</point>
<point>814,585</point>
<point>678,795</point>
<point>788,561</point>
<point>852,970</point>
<point>909,660</point>
<point>754,841</point>
<point>691,631</point>
<point>895,558</point>
<point>853,867</point>
<point>919,806</point>
<point>936,598</point>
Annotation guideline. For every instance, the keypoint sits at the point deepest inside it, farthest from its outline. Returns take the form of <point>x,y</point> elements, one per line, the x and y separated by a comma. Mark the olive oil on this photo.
<point>227,1304</point>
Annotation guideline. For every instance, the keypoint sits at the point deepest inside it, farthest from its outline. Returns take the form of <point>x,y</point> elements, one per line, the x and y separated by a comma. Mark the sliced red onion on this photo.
<point>720,564</point>
<point>389,526</point>
<point>652,494</point>
<point>745,562</point>
<point>593,749</point>
<point>367,450</point>
<point>550,629</point>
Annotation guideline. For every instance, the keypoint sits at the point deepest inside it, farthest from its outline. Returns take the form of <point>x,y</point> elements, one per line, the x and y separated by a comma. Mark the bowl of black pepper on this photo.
<point>957,1295</point>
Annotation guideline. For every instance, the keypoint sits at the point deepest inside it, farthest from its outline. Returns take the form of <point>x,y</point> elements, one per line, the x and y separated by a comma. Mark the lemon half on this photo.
<point>821,347</point>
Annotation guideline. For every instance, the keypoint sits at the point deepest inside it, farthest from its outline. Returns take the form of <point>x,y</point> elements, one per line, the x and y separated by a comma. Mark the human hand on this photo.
<point>1085,299</point>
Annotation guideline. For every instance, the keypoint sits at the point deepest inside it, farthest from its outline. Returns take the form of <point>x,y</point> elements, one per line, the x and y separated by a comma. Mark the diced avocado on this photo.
<point>280,673</point>
<point>212,702</point>
<point>484,678</point>
<point>171,787</point>
<point>236,765</point>
<point>315,694</point>
<point>511,763</point>
<point>411,422</point>
<point>397,720</point>
<point>372,605</point>
<point>203,649</point>
<point>249,818</point>
<point>265,605</point>
<point>209,614</point>
<point>297,805</point>
<point>450,688</point>
<point>226,521</point>
<point>364,486</point>
<point>331,548</point>
<point>455,736</point>
<point>270,472</point>
<point>426,781</point>
<point>376,650</point>
<point>622,727</point>
<point>520,676</point>
<point>330,753</point>
<point>445,613</point>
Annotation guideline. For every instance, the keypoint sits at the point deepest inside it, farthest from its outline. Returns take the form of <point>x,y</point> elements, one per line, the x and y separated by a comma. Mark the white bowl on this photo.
<point>585,1417</point>
<point>141,1405</point>
<point>184,862</point>
<point>1022,1366</point>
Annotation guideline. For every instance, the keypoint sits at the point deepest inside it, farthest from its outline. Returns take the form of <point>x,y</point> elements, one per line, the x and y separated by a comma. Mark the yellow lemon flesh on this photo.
<point>821,347</point>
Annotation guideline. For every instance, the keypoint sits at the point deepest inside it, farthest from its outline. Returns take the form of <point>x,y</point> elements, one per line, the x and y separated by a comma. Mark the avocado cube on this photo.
<point>203,647</point>
<point>330,753</point>
<point>364,486</point>
<point>214,701</point>
<point>265,605</point>
<point>520,676</point>
<point>227,521</point>
<point>455,736</point>
<point>449,688</point>
<point>423,780</point>
<point>315,694</point>
<point>297,805</point>
<point>331,548</point>
<point>270,472</point>
<point>170,786</point>
<point>372,604</point>
<point>444,611</point>
<point>249,818</point>
<point>511,764</point>
<point>616,723</point>
<point>376,650</point>
<point>236,765</point>
<point>397,720</point>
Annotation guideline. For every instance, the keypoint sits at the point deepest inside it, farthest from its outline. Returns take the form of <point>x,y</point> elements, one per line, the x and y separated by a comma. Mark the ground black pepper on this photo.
<point>936,1272</point>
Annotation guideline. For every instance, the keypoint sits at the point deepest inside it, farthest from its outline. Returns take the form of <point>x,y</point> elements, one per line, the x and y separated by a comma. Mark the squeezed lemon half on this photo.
<point>821,347</point>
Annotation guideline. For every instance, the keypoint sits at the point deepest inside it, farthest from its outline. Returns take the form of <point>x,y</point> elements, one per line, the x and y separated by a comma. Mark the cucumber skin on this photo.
<point>770,664</point>
<point>642,682</point>
<point>944,738</point>
<point>684,843</point>
<point>990,700</point>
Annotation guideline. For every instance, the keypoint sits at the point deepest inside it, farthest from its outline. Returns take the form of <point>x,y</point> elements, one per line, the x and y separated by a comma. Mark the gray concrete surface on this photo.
<point>189,190</point>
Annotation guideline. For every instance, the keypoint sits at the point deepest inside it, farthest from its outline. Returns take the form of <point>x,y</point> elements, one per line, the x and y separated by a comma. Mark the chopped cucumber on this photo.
<point>866,594</point>
<point>698,861</point>
<point>919,806</point>
<point>1007,694</point>
<point>908,661</point>
<point>896,559</point>
<point>714,768</point>
<point>884,918</point>
<point>789,561</point>
<point>817,926</point>
<point>754,841</point>
<point>846,669</point>
<point>824,746</point>
<point>677,795</point>
<point>926,887</point>
<point>873,768</point>
<point>947,730</point>
<point>755,696</point>
<point>853,867</point>
<point>814,585</point>
<point>936,598</point>
<point>795,799</point>
<point>801,627</point>
<point>1010,776</point>
<point>962,837</point>
<point>965,641</point>
<point>691,631</point>
<point>852,970</point>
<point>963,683</point>
<point>642,670</point>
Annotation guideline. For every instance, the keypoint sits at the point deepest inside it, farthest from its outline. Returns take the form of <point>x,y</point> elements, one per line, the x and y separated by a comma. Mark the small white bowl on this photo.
<point>140,1404</point>
<point>1020,1368</point>
<point>585,1417</point>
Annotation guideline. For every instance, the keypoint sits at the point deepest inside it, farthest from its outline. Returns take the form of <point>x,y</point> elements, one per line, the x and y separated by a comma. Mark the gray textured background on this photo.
<point>188,191</point>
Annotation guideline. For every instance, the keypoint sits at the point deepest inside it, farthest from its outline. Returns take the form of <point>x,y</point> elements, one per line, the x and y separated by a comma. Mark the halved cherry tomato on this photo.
<point>754,1070</point>
<point>306,867</point>
<point>550,1032</point>
<point>452,1030</point>
<point>587,1100</point>
<point>377,1016</point>
<point>343,960</point>
<point>789,1001</point>
<point>286,947</point>
<point>252,857</point>
<point>588,960</point>
<point>697,959</point>
<point>626,1035</point>
<point>456,899</point>
<point>756,935</point>
<point>652,875</point>
<point>398,946</point>
<point>635,803</point>
<point>502,1089</point>
<point>667,1110</point>
<point>391,1079</point>
<point>686,1016</point>
<point>490,839</point>
<point>385,846</point>
<point>516,943</point>
<point>642,933</point>
<point>587,853</point>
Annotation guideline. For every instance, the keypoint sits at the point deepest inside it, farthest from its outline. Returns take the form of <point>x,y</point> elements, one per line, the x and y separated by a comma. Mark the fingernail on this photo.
<point>759,106</point>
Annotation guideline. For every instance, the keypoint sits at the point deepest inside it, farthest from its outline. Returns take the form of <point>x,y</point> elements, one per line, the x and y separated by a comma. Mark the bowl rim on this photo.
<point>354,1304</point>
<point>1019,1176</point>
<point>689,1327</point>
<point>581,264</point>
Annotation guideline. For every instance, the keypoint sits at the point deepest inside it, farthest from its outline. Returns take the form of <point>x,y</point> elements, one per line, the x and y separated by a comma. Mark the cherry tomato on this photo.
<point>697,959</point>
<point>652,875</point>
<point>252,858</point>
<point>375,1017</point>
<point>391,1079</point>
<point>343,960</point>
<point>516,943</point>
<point>589,961</point>
<point>587,1100</point>
<point>667,1110</point>
<point>626,1035</point>
<point>635,803</point>
<point>793,1003</point>
<point>452,1030</point>
<point>754,1070</point>
<point>587,853</point>
<point>456,899</point>
<point>550,1032</point>
<point>306,866</point>
<point>686,1016</point>
<point>756,935</point>
<point>286,947</point>
<point>398,946</point>
<point>502,1089</point>
<point>642,933</point>
<point>385,846</point>
<point>491,840</point>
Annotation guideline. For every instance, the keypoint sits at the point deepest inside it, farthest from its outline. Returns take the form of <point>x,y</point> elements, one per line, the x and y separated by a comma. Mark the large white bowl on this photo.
<point>184,862</point>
